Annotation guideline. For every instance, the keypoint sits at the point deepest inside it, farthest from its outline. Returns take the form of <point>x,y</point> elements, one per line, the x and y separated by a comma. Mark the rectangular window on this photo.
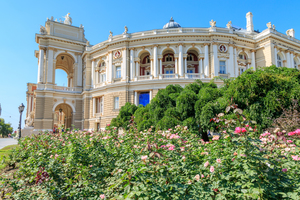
<point>222,67</point>
<point>144,98</point>
<point>116,103</point>
<point>118,72</point>
<point>101,105</point>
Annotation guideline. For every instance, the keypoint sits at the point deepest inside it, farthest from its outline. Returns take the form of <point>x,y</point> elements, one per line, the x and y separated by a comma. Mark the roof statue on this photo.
<point>229,25</point>
<point>43,30</point>
<point>274,27</point>
<point>171,24</point>
<point>68,19</point>
<point>126,30</point>
<point>212,23</point>
<point>110,34</point>
<point>269,25</point>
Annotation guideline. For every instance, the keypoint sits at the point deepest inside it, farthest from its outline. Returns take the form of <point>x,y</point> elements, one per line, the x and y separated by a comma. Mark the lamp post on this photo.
<point>21,109</point>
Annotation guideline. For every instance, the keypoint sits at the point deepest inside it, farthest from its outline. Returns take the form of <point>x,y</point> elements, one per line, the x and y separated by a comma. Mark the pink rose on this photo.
<point>102,196</point>
<point>144,157</point>
<point>284,170</point>
<point>197,177</point>
<point>212,169</point>
<point>243,130</point>
<point>238,130</point>
<point>218,160</point>
<point>289,141</point>
<point>247,125</point>
<point>202,176</point>
<point>206,164</point>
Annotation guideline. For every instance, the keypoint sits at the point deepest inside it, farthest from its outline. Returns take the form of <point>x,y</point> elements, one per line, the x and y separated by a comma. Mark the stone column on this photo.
<point>30,104</point>
<point>79,70</point>
<point>185,65</point>
<point>230,62</point>
<point>176,66</point>
<point>160,66</point>
<point>96,77</point>
<point>200,69</point>
<point>215,57</point>
<point>94,106</point>
<point>135,98</point>
<point>253,59</point>
<point>292,59</point>
<point>41,66</point>
<point>110,67</point>
<point>206,60</point>
<point>151,66</point>
<point>131,63</point>
<point>288,59</point>
<point>137,68</point>
<point>180,60</point>
<point>155,60</point>
<point>93,74</point>
<point>50,65</point>
<point>275,53</point>
<point>150,96</point>
<point>236,63</point>
<point>124,63</point>
<point>73,119</point>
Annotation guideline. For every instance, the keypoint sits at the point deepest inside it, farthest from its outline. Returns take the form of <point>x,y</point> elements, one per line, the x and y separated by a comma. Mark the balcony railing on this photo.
<point>192,76</point>
<point>141,78</point>
<point>59,88</point>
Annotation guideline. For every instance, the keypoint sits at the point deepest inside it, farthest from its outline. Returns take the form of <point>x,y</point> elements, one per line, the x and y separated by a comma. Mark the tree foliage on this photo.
<point>261,94</point>
<point>5,128</point>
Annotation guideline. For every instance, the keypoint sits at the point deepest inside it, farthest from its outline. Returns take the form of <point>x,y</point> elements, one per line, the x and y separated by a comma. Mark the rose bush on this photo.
<point>156,165</point>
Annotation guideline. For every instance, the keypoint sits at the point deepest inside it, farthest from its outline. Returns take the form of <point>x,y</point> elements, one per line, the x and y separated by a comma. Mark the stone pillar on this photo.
<point>215,57</point>
<point>206,60</point>
<point>131,63</point>
<point>288,59</point>
<point>180,60</point>
<point>231,62</point>
<point>151,66</point>
<point>160,66</point>
<point>96,77</point>
<point>236,63</point>
<point>150,96</point>
<point>94,106</point>
<point>292,59</point>
<point>136,98</point>
<point>200,69</point>
<point>124,64</point>
<point>41,66</point>
<point>185,65</point>
<point>176,66</point>
<point>79,70</point>
<point>93,74</point>
<point>275,53</point>
<point>137,68</point>
<point>30,104</point>
<point>50,65</point>
<point>73,120</point>
<point>253,59</point>
<point>110,67</point>
<point>155,60</point>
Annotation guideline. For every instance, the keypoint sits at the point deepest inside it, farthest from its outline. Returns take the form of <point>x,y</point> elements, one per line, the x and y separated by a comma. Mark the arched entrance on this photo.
<point>63,116</point>
<point>65,62</point>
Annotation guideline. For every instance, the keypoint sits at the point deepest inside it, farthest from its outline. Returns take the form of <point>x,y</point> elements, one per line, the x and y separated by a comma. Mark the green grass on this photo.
<point>5,152</point>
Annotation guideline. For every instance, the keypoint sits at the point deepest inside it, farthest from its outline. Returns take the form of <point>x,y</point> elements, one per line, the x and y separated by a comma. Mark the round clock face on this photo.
<point>117,54</point>
<point>222,48</point>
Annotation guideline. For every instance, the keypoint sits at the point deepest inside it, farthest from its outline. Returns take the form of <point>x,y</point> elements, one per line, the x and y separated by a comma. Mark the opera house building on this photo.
<point>132,67</point>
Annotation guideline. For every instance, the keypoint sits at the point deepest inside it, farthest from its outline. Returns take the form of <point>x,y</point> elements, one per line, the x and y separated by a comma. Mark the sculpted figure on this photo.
<point>212,23</point>
<point>269,25</point>
<point>274,27</point>
<point>110,34</point>
<point>68,19</point>
<point>43,30</point>
<point>126,30</point>
<point>229,25</point>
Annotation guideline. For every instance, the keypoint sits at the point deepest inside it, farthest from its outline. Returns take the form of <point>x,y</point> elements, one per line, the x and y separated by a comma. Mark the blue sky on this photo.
<point>20,20</point>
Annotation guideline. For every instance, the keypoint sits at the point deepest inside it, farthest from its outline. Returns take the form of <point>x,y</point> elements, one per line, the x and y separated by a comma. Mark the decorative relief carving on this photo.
<point>222,48</point>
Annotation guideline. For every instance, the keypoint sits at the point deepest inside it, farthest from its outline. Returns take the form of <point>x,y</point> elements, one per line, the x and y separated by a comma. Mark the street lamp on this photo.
<point>21,109</point>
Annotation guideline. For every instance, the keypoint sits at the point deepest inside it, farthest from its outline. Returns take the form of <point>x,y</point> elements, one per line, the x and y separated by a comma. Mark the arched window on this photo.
<point>190,57</point>
<point>147,59</point>
<point>169,58</point>
<point>242,56</point>
<point>295,64</point>
<point>279,61</point>
<point>102,64</point>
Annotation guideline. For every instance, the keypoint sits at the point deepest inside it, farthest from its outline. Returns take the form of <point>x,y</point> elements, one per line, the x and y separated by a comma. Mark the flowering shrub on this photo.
<point>156,165</point>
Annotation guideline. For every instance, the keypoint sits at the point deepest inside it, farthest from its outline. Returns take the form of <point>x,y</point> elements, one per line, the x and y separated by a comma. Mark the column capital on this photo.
<point>132,48</point>
<point>252,51</point>
<point>51,48</point>
<point>109,52</point>
<point>124,48</point>
<point>206,44</point>
<point>231,45</point>
<point>287,51</point>
<point>275,46</point>
<point>201,58</point>
<point>214,43</point>
<point>42,48</point>
<point>155,45</point>
<point>180,44</point>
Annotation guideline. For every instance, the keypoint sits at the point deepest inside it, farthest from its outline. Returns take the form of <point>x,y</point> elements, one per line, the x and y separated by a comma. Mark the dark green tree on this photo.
<point>5,128</point>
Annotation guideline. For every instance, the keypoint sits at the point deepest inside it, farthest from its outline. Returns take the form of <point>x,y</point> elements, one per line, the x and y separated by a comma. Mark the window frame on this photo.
<point>118,72</point>
<point>116,103</point>
<point>225,67</point>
